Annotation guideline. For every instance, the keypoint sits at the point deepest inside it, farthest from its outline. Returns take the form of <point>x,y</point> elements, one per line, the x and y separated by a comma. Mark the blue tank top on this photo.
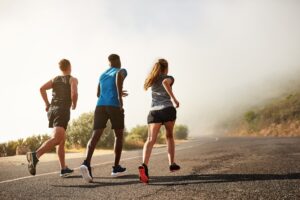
<point>108,87</point>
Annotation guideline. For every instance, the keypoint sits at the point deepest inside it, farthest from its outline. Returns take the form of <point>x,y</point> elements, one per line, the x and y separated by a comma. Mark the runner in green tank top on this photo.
<point>64,96</point>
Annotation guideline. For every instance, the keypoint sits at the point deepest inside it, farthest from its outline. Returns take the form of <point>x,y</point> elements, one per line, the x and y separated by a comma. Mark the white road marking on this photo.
<point>99,164</point>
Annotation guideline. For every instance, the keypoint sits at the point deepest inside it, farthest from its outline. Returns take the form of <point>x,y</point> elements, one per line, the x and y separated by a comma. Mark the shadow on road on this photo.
<point>99,183</point>
<point>182,180</point>
<point>218,178</point>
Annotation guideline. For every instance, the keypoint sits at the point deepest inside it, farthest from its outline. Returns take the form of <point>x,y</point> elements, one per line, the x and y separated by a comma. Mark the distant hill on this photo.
<point>280,117</point>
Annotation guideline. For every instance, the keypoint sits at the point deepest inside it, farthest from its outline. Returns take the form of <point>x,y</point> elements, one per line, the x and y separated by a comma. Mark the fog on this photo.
<point>226,55</point>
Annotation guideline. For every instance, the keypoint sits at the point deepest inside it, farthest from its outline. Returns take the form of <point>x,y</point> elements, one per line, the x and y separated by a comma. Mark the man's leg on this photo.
<point>118,170</point>
<point>61,150</point>
<point>100,120</point>
<point>32,157</point>
<point>58,137</point>
<point>92,144</point>
<point>118,145</point>
<point>85,168</point>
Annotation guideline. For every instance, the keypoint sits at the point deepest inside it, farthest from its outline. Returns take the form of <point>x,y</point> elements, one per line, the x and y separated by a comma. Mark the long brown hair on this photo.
<point>160,66</point>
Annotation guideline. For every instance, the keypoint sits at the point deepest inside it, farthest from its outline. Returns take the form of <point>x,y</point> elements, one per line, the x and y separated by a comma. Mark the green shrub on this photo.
<point>80,131</point>
<point>3,150</point>
<point>140,134</point>
<point>252,120</point>
<point>130,144</point>
<point>181,132</point>
<point>11,147</point>
<point>35,141</point>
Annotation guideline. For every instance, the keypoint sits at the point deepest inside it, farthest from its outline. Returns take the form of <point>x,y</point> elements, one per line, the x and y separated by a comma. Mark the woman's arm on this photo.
<point>167,85</point>
<point>43,92</point>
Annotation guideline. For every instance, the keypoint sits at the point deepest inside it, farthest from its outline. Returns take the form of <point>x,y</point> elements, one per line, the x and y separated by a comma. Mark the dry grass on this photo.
<point>279,118</point>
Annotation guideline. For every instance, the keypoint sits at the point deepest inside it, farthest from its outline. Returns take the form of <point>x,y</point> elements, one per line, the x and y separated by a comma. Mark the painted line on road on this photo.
<point>99,164</point>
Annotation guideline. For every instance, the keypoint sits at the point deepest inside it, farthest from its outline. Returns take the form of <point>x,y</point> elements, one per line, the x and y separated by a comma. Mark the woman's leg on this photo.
<point>153,130</point>
<point>170,140</point>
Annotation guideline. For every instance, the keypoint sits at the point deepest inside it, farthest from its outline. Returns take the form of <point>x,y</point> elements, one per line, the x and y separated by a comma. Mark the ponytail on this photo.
<point>157,69</point>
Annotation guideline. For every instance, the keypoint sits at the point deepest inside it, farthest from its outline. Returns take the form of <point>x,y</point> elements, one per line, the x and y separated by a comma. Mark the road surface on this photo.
<point>223,168</point>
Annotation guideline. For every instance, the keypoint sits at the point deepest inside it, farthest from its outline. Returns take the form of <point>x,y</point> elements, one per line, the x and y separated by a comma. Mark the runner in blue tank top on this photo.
<point>109,93</point>
<point>109,106</point>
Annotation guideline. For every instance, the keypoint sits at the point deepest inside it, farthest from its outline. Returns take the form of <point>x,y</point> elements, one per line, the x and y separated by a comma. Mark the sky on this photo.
<point>224,55</point>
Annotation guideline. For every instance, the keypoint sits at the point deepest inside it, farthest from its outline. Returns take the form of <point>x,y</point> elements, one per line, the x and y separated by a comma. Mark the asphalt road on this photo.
<point>227,168</point>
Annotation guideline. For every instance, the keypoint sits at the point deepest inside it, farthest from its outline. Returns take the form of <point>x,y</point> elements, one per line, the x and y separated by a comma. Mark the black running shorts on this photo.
<point>162,116</point>
<point>58,117</point>
<point>105,113</point>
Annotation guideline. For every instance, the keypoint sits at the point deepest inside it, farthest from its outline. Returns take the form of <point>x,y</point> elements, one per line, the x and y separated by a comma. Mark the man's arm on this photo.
<point>43,92</point>
<point>119,81</point>
<point>98,90</point>
<point>167,85</point>
<point>74,92</point>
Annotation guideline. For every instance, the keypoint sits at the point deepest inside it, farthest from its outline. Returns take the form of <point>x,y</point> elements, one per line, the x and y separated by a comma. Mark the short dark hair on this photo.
<point>64,64</point>
<point>113,57</point>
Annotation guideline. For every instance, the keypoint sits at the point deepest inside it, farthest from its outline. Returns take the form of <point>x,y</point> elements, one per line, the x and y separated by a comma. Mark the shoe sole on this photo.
<point>143,177</point>
<point>65,175</point>
<point>30,163</point>
<point>118,174</point>
<point>171,171</point>
<point>85,174</point>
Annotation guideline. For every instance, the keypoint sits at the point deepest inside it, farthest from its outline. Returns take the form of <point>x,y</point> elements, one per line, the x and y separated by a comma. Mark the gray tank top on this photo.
<point>160,97</point>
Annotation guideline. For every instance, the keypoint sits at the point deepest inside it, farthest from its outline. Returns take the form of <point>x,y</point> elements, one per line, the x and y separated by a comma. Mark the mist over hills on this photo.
<point>273,111</point>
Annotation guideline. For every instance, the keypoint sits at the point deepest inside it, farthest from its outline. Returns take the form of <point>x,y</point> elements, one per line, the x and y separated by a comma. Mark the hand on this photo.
<point>124,93</point>
<point>73,107</point>
<point>47,107</point>
<point>176,103</point>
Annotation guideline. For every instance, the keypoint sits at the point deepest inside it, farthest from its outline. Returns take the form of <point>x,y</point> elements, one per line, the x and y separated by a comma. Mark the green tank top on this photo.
<point>61,92</point>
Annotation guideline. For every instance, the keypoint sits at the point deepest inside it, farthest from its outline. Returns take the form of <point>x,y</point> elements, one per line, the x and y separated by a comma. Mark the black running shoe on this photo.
<point>32,162</point>
<point>118,171</point>
<point>86,172</point>
<point>66,172</point>
<point>174,167</point>
<point>143,173</point>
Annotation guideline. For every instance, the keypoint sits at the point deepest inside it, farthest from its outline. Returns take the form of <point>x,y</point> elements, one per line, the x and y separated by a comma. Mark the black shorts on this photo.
<point>162,116</point>
<point>58,117</point>
<point>105,113</point>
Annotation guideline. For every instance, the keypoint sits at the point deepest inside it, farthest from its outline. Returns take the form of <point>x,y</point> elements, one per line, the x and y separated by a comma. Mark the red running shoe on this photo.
<point>143,173</point>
